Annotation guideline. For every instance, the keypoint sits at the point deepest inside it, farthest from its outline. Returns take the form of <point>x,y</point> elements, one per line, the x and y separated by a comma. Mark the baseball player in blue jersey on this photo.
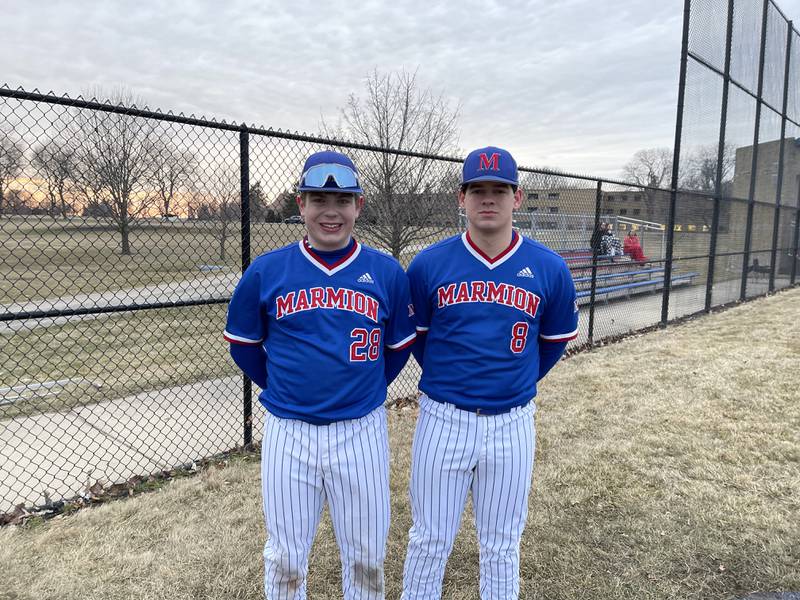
<point>310,324</point>
<point>496,310</point>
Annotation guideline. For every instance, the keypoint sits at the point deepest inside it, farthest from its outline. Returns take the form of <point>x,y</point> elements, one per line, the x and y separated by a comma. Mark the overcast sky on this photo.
<point>578,85</point>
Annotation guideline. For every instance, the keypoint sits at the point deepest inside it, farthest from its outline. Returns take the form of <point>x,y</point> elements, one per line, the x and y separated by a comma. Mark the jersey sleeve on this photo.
<point>400,331</point>
<point>560,319</point>
<point>245,322</point>
<point>419,295</point>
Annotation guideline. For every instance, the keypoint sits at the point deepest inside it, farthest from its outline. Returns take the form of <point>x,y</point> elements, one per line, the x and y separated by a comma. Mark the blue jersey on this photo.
<point>323,327</point>
<point>485,318</point>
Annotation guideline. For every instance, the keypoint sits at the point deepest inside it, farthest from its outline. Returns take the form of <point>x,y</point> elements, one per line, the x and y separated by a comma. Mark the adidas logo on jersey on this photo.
<point>365,278</point>
<point>526,272</point>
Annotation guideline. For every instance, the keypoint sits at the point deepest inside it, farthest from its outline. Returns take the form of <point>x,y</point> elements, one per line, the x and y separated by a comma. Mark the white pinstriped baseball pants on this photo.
<point>302,466</point>
<point>455,452</point>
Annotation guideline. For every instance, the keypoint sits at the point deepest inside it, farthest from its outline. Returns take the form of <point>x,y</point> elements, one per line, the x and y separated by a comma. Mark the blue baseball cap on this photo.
<point>329,172</point>
<point>490,164</point>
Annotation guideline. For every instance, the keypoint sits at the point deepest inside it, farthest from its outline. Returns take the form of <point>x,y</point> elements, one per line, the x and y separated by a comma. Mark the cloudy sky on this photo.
<point>578,85</point>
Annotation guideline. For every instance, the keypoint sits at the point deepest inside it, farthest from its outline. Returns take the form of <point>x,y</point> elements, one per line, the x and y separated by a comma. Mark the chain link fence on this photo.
<point>124,231</point>
<point>738,141</point>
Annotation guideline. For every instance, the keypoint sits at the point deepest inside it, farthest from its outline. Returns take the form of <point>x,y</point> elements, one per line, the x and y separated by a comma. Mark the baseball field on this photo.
<point>667,467</point>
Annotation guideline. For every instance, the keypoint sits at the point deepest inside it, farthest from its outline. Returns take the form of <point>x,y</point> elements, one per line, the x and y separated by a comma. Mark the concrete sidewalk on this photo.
<point>63,453</point>
<point>207,287</point>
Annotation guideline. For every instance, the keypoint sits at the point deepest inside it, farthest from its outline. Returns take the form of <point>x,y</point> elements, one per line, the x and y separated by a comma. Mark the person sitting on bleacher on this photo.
<point>597,238</point>
<point>610,244</point>
<point>633,248</point>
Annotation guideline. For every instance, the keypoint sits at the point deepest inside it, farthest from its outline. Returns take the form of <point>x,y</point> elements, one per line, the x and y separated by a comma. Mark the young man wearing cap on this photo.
<point>310,325</point>
<point>496,310</point>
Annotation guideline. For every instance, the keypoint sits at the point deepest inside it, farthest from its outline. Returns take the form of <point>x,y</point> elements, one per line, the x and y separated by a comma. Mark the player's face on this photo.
<point>329,217</point>
<point>489,206</point>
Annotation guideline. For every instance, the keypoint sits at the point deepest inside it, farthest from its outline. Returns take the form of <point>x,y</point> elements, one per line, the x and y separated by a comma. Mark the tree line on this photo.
<point>122,168</point>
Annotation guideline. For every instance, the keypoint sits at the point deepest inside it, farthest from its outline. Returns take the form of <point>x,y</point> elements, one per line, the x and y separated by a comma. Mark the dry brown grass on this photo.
<point>116,355</point>
<point>43,258</point>
<point>667,467</point>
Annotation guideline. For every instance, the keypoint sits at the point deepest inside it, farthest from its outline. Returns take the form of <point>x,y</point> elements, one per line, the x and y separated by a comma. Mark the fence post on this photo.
<point>779,184</point>
<point>748,238</point>
<point>244,159</point>
<point>712,247</point>
<point>795,247</point>
<point>598,198</point>
<point>676,157</point>
<point>712,252</point>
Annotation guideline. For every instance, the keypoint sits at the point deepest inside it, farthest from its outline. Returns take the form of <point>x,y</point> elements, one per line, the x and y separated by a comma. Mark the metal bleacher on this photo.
<point>618,276</point>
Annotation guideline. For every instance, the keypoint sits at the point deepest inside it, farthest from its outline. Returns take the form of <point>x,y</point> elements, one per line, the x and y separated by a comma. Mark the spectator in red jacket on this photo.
<point>633,248</point>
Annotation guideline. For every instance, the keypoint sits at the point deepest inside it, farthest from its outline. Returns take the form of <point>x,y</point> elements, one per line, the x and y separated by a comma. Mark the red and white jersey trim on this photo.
<point>404,343</point>
<point>317,261</point>
<point>235,339</point>
<point>516,242</point>
<point>563,337</point>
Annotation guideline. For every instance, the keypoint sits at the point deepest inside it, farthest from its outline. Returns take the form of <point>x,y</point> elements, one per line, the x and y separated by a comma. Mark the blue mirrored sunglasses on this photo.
<point>318,177</point>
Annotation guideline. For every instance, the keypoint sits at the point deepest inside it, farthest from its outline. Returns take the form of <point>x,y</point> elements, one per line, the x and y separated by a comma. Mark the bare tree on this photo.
<point>19,202</point>
<point>407,201</point>
<point>55,162</point>
<point>116,160</point>
<point>699,170</point>
<point>172,173</point>
<point>11,157</point>
<point>88,190</point>
<point>651,167</point>
<point>543,181</point>
<point>218,200</point>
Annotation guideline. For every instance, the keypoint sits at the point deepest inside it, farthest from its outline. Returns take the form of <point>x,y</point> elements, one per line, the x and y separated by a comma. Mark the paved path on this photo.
<point>206,287</point>
<point>62,453</point>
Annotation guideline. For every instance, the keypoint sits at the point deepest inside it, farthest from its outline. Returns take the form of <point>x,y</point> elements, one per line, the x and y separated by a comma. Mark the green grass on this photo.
<point>667,467</point>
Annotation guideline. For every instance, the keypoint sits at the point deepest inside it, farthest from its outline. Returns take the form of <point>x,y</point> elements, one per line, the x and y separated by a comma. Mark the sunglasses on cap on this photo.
<point>318,177</point>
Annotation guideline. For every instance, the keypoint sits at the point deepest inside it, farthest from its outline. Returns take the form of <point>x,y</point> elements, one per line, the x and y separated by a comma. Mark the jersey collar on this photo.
<point>516,242</point>
<point>316,259</point>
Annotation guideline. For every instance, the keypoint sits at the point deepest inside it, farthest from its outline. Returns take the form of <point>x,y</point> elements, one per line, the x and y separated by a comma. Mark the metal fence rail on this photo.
<point>123,232</point>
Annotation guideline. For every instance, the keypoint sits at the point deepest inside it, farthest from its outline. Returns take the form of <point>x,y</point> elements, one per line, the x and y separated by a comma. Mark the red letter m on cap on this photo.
<point>490,162</point>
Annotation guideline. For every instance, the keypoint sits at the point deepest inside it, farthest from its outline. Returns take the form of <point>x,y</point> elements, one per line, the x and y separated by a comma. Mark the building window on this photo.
<point>552,196</point>
<point>534,208</point>
<point>623,211</point>
<point>552,209</point>
<point>637,211</point>
<point>637,198</point>
<point>610,198</point>
<point>533,196</point>
<point>610,211</point>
